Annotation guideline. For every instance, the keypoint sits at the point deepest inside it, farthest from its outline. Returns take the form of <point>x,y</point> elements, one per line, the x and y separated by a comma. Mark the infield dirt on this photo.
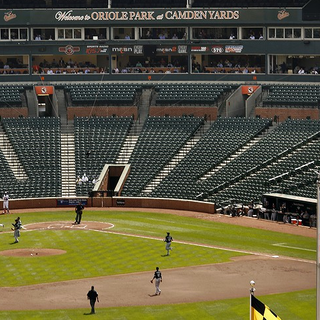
<point>193,284</point>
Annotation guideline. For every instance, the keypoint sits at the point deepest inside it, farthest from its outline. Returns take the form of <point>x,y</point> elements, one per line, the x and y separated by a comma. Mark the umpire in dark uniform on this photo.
<point>79,209</point>
<point>92,295</point>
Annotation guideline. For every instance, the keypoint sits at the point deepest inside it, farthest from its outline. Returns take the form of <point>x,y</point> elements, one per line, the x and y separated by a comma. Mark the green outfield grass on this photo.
<point>85,248</point>
<point>91,254</point>
<point>294,306</point>
<point>187,229</point>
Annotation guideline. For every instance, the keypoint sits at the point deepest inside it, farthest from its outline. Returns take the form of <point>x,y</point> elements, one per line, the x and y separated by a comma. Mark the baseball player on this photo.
<point>17,225</point>
<point>158,278</point>
<point>92,295</point>
<point>6,203</point>
<point>78,209</point>
<point>168,239</point>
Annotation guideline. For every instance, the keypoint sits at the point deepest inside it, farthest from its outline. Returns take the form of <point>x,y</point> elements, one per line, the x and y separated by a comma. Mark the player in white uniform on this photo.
<point>6,203</point>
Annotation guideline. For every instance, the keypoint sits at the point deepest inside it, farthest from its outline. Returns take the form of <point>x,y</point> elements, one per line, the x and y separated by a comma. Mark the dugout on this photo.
<point>289,207</point>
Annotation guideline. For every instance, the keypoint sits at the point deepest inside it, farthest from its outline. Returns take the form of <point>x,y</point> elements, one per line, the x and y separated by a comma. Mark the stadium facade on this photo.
<point>76,66</point>
<point>207,43</point>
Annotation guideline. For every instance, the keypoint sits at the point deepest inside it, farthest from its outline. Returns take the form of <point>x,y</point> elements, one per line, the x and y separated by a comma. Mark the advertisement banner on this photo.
<point>71,202</point>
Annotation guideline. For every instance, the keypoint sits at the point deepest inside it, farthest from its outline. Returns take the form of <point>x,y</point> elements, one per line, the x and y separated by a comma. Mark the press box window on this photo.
<point>43,34</point>
<point>69,34</point>
<point>95,33</point>
<point>13,34</point>
<point>284,33</point>
<point>312,33</point>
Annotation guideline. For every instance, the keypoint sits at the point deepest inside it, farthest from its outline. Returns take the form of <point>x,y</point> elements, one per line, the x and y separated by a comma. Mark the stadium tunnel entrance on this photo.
<point>111,180</point>
<point>44,103</point>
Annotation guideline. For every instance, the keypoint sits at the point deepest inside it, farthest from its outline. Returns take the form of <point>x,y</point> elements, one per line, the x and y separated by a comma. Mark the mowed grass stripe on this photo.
<point>92,254</point>
<point>185,229</point>
<point>299,305</point>
<point>289,306</point>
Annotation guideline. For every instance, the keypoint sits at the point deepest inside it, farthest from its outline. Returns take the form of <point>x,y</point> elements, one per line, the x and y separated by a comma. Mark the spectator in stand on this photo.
<point>245,70</point>
<point>274,213</point>
<point>296,69</point>
<point>305,218</point>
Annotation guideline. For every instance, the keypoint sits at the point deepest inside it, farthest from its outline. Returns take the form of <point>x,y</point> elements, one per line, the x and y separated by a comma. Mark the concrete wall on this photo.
<point>284,113</point>
<point>235,104</point>
<point>124,202</point>
<point>175,111</point>
<point>162,203</point>
<point>123,111</point>
<point>250,103</point>
<point>14,112</point>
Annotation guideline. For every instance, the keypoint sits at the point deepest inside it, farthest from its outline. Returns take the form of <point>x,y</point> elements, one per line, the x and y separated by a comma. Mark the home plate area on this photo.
<point>58,225</point>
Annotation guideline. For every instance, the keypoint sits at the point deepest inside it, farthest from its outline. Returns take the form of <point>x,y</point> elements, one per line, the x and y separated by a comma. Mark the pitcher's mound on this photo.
<point>31,252</point>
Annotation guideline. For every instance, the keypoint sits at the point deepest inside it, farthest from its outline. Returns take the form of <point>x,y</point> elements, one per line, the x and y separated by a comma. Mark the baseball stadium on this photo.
<point>124,121</point>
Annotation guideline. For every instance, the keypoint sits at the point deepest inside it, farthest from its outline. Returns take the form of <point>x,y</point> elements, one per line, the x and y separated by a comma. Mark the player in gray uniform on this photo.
<point>158,278</point>
<point>168,239</point>
<point>17,225</point>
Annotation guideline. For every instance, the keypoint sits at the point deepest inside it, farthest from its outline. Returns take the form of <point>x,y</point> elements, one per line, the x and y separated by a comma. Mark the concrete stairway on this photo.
<point>11,157</point>
<point>129,143</point>
<point>176,159</point>
<point>68,166</point>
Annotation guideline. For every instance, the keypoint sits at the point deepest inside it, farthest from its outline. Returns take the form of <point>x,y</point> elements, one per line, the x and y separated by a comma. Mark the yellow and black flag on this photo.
<point>259,311</point>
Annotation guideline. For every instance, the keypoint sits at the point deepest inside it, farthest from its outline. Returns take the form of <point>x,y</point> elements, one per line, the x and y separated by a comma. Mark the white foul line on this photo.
<point>297,248</point>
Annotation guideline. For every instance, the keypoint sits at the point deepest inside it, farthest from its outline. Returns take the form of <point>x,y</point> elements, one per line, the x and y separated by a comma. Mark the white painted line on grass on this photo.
<point>209,246</point>
<point>290,247</point>
<point>105,230</point>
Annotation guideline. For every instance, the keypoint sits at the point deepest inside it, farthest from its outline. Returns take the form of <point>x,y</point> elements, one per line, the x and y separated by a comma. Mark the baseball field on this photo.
<point>49,272</point>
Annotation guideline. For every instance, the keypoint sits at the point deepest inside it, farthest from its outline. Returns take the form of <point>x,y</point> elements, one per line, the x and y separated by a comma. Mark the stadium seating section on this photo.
<point>236,158</point>
<point>281,153</point>
<point>37,142</point>
<point>222,140</point>
<point>103,94</point>
<point>293,96</point>
<point>103,137</point>
<point>158,142</point>
<point>190,94</point>
<point>10,95</point>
